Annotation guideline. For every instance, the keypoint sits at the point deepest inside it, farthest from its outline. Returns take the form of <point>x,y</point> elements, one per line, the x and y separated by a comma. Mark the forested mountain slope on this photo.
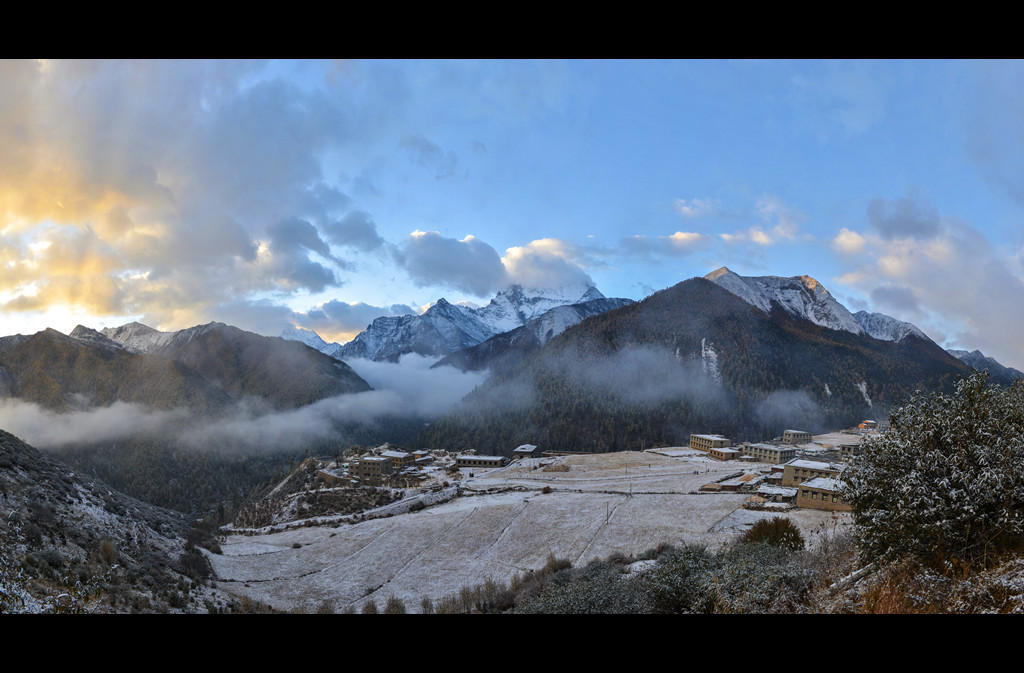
<point>692,358</point>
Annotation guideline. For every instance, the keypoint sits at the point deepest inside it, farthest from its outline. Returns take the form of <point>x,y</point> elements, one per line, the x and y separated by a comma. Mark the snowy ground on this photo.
<point>603,503</point>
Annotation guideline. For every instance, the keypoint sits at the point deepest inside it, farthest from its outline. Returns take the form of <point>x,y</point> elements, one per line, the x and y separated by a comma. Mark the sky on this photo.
<point>324,194</point>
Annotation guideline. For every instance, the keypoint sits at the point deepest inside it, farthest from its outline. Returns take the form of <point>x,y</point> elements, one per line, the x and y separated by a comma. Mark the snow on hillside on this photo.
<point>139,338</point>
<point>445,327</point>
<point>881,326</point>
<point>604,503</point>
<point>801,296</point>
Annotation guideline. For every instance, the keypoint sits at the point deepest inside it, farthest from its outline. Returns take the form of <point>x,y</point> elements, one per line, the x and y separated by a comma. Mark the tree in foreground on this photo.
<point>945,485</point>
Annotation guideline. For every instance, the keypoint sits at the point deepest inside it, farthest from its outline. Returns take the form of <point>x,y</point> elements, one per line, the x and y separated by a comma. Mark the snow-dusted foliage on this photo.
<point>946,482</point>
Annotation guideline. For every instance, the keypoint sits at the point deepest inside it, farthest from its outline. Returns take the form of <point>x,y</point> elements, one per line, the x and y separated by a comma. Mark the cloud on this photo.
<point>945,269</point>
<point>47,429</point>
<point>341,321</point>
<point>903,218</point>
<point>791,408</point>
<point>787,219</point>
<point>783,220</point>
<point>848,242</point>
<point>407,389</point>
<point>469,265</point>
<point>355,230</point>
<point>694,208</point>
<point>431,156</point>
<point>679,244</point>
<point>290,243</point>
<point>897,298</point>
<point>164,175</point>
<point>547,263</point>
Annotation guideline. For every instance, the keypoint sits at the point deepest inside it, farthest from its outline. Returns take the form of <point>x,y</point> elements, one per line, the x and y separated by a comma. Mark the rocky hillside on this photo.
<point>71,544</point>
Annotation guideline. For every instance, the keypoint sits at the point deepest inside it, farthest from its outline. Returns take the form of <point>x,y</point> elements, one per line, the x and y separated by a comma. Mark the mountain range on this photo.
<point>203,368</point>
<point>445,328</point>
<point>740,356</point>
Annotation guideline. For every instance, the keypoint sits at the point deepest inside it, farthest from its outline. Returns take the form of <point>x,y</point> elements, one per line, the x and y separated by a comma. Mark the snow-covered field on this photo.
<point>603,503</point>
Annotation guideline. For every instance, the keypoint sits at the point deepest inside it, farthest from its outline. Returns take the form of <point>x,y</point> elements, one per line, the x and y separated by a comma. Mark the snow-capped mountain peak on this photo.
<point>886,328</point>
<point>446,327</point>
<point>138,338</point>
<point>306,336</point>
<point>801,296</point>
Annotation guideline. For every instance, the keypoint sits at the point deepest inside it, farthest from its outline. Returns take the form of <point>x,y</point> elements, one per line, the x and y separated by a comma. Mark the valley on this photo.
<point>200,419</point>
<point>505,522</point>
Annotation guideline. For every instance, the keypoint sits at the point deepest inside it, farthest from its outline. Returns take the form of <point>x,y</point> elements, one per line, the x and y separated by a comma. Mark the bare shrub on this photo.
<point>394,606</point>
<point>777,531</point>
<point>107,552</point>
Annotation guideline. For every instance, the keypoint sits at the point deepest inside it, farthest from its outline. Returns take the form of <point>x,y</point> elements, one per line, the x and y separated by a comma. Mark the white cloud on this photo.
<point>694,208</point>
<point>547,263</point>
<point>849,242</point>
<point>967,288</point>
<point>679,244</point>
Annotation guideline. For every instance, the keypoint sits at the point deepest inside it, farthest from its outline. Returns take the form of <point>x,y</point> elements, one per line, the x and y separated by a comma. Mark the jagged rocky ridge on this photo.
<point>804,297</point>
<point>506,349</point>
<point>997,372</point>
<point>446,328</point>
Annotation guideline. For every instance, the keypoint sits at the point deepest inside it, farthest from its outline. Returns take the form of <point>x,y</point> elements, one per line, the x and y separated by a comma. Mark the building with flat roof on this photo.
<point>480,461</point>
<point>822,493</point>
<point>526,451</point>
<point>797,472</point>
<point>400,459</point>
<point>796,437</point>
<point>724,454</point>
<point>769,453</point>
<point>708,442</point>
<point>373,470</point>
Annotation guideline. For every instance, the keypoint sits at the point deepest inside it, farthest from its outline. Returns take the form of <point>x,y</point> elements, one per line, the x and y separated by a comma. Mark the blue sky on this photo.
<point>324,194</point>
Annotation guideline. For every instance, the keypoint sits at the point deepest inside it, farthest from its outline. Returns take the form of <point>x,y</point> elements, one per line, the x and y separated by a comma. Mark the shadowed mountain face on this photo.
<point>997,372</point>
<point>693,358</point>
<point>202,369</point>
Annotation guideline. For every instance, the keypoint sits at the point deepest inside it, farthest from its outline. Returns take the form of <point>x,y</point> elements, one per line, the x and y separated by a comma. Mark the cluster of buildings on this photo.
<point>804,483</point>
<point>387,465</point>
<point>377,468</point>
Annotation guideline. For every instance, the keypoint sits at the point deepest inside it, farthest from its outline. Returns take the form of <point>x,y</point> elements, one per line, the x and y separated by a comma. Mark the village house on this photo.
<point>797,472</point>
<point>422,457</point>
<point>822,493</point>
<point>373,470</point>
<point>708,442</point>
<point>399,459</point>
<point>724,454</point>
<point>769,453</point>
<point>526,451</point>
<point>480,461</point>
<point>796,437</point>
<point>777,493</point>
